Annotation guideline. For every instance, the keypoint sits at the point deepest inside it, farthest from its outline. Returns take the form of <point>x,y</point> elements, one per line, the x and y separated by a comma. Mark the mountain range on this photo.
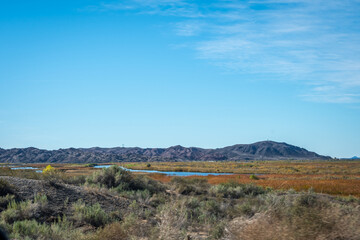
<point>265,150</point>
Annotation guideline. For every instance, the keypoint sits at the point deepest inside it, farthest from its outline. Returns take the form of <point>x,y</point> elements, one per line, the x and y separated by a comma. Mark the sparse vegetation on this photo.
<point>115,204</point>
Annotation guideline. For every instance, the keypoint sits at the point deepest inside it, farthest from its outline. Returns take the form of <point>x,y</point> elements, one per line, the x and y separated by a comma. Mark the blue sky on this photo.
<point>157,73</point>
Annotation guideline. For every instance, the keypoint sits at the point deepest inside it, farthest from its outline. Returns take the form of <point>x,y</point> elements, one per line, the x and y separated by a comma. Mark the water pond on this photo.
<point>181,174</point>
<point>12,167</point>
<point>23,168</point>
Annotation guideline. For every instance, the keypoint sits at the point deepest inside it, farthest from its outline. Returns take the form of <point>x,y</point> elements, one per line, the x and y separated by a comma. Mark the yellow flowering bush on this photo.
<point>48,169</point>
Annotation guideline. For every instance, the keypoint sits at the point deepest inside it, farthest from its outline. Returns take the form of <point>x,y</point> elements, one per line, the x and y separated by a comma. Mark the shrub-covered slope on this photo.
<point>115,204</point>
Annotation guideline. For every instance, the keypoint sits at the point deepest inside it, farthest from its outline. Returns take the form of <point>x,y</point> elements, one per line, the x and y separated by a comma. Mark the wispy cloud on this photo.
<point>333,97</point>
<point>160,7</point>
<point>188,28</point>
<point>316,42</point>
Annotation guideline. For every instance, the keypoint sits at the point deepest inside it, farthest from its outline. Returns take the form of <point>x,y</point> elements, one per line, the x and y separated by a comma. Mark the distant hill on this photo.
<point>266,150</point>
<point>355,157</point>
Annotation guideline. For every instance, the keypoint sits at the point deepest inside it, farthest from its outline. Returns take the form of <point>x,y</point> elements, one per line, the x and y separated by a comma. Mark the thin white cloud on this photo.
<point>310,41</point>
<point>333,97</point>
<point>188,28</point>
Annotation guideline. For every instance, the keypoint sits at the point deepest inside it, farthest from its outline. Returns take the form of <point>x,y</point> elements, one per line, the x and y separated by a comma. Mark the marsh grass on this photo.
<point>258,167</point>
<point>331,177</point>
<point>213,207</point>
<point>30,174</point>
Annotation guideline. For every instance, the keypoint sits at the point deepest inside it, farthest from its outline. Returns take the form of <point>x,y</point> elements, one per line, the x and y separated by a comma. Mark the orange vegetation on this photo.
<point>334,185</point>
<point>337,178</point>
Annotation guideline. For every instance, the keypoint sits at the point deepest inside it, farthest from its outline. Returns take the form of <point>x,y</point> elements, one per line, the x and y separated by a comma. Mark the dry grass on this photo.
<point>331,177</point>
<point>306,216</point>
<point>113,231</point>
<point>187,207</point>
<point>258,167</point>
<point>343,187</point>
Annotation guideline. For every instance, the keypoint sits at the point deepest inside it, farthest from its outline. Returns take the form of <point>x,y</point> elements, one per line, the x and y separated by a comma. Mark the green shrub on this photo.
<point>10,215</point>
<point>29,229</point>
<point>40,198</point>
<point>17,211</point>
<point>57,177</point>
<point>246,209</point>
<point>122,180</point>
<point>190,186</point>
<point>141,196</point>
<point>4,200</point>
<point>236,190</point>
<point>111,177</point>
<point>158,198</point>
<point>129,223</point>
<point>254,177</point>
<point>75,180</point>
<point>306,200</point>
<point>6,188</point>
<point>63,229</point>
<point>348,199</point>
<point>113,231</point>
<point>217,231</point>
<point>211,211</point>
<point>145,183</point>
<point>206,211</point>
<point>92,214</point>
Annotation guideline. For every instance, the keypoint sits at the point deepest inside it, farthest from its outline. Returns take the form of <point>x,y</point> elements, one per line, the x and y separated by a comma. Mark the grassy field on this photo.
<point>320,184</point>
<point>336,178</point>
<point>257,167</point>
<point>333,177</point>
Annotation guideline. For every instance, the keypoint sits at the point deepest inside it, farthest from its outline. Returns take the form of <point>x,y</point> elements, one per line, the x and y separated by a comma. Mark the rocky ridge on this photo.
<point>265,150</point>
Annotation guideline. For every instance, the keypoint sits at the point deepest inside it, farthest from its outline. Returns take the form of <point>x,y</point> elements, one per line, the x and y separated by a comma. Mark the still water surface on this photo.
<point>182,174</point>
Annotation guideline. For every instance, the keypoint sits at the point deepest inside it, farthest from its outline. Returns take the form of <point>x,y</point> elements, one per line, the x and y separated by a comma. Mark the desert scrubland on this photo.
<point>263,200</point>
